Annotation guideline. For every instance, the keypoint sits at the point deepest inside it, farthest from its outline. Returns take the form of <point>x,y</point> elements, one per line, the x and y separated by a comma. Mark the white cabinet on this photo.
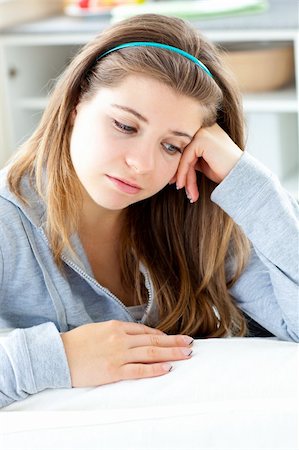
<point>30,63</point>
<point>272,117</point>
<point>29,66</point>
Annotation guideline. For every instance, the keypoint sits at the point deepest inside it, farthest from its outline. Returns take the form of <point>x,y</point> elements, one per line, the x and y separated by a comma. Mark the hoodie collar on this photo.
<point>35,212</point>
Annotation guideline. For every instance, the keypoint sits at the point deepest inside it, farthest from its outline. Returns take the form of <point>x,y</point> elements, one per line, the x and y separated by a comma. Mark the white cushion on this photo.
<point>238,393</point>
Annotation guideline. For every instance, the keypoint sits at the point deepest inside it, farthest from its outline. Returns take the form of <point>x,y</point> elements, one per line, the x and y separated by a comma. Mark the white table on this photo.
<point>234,394</point>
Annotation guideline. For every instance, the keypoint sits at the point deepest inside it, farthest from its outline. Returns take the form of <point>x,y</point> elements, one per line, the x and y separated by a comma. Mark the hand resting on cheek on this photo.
<point>213,153</point>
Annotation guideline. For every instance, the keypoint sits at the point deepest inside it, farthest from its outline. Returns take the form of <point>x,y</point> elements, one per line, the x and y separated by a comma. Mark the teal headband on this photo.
<point>158,45</point>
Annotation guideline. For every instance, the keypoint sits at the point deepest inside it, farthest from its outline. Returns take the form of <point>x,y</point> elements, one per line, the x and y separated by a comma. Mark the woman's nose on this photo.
<point>141,158</point>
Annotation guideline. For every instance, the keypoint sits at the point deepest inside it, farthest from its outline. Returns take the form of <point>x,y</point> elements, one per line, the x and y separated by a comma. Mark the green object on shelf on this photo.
<point>202,9</point>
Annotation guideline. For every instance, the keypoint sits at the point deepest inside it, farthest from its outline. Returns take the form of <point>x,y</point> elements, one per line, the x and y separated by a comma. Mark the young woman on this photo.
<point>132,221</point>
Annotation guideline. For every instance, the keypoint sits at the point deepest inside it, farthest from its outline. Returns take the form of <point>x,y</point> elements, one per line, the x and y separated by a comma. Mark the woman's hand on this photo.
<point>106,352</point>
<point>213,153</point>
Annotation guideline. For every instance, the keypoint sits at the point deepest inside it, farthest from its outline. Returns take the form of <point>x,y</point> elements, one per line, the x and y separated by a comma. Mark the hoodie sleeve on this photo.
<point>268,289</point>
<point>31,360</point>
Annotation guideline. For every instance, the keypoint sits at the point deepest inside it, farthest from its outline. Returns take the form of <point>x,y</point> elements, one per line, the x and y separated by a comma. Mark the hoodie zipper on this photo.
<point>92,280</point>
<point>150,290</point>
<point>105,290</point>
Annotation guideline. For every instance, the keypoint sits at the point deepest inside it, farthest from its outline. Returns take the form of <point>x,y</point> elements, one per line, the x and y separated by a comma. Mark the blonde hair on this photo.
<point>186,248</point>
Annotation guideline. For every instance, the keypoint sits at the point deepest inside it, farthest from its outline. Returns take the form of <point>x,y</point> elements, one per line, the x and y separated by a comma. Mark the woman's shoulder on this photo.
<point>11,205</point>
<point>8,206</point>
<point>10,221</point>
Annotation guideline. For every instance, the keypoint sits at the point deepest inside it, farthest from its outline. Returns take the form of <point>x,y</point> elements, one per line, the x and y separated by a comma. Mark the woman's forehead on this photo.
<point>151,99</point>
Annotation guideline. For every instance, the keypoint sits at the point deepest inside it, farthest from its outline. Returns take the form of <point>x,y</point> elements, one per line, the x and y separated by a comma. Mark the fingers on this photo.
<point>187,163</point>
<point>136,371</point>
<point>159,341</point>
<point>146,368</point>
<point>157,354</point>
<point>139,328</point>
<point>191,185</point>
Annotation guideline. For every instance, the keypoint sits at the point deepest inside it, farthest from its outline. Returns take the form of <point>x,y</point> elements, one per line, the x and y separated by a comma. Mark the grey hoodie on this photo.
<point>39,303</point>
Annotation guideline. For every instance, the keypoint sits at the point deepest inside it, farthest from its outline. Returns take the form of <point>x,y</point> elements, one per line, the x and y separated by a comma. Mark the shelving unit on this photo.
<point>284,100</point>
<point>272,117</point>
<point>31,61</point>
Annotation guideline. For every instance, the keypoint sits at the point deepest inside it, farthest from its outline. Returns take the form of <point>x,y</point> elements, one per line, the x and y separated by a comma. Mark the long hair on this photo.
<point>187,249</point>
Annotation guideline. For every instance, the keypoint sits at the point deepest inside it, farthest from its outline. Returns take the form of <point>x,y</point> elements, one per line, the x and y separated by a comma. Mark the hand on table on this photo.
<point>106,352</point>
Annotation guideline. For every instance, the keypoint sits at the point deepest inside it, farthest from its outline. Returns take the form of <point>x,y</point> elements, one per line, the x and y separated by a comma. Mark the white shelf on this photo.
<point>246,35</point>
<point>283,100</point>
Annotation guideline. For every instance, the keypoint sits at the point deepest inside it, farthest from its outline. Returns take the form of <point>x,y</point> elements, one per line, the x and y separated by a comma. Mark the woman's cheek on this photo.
<point>172,169</point>
<point>168,176</point>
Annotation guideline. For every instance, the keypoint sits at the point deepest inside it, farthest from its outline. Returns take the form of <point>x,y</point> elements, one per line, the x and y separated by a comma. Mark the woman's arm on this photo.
<point>268,289</point>
<point>253,196</point>
<point>31,360</point>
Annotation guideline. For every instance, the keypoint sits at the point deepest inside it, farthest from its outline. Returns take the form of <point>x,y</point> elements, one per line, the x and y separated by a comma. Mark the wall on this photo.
<point>13,12</point>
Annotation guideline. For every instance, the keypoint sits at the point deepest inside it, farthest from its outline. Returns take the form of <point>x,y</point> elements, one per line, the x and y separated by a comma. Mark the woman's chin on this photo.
<point>113,204</point>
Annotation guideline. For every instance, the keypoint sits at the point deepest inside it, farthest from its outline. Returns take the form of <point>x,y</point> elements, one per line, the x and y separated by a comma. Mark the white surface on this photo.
<point>233,394</point>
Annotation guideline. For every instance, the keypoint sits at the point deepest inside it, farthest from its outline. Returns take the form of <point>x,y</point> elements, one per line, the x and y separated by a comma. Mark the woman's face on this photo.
<point>127,141</point>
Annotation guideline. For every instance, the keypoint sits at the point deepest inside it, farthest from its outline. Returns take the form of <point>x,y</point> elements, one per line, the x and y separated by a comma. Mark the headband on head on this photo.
<point>158,45</point>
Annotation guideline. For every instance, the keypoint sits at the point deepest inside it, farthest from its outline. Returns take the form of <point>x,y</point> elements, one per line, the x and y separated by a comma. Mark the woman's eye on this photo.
<point>172,149</point>
<point>124,128</point>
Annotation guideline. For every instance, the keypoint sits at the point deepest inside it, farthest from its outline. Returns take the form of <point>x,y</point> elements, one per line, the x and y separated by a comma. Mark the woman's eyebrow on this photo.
<point>144,119</point>
<point>130,110</point>
<point>181,133</point>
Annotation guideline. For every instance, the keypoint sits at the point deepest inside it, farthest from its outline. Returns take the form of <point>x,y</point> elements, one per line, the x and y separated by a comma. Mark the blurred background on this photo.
<point>259,40</point>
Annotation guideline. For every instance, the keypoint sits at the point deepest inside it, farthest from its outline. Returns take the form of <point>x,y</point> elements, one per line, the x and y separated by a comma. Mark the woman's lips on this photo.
<point>125,186</point>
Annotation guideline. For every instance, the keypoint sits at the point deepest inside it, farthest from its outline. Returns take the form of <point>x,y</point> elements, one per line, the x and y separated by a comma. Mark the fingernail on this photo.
<point>186,351</point>
<point>189,196</point>
<point>167,367</point>
<point>189,340</point>
<point>178,187</point>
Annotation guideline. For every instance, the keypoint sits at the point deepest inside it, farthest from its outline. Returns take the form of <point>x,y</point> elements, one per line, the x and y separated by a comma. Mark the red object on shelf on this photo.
<point>84,4</point>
